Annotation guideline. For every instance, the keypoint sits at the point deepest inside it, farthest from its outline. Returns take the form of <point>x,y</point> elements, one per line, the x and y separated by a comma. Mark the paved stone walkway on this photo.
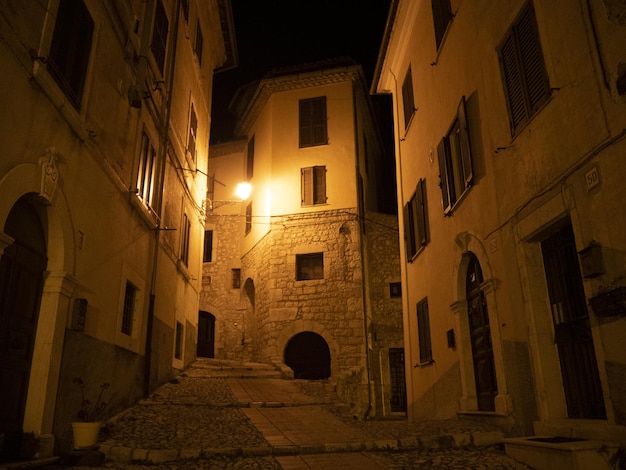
<point>227,415</point>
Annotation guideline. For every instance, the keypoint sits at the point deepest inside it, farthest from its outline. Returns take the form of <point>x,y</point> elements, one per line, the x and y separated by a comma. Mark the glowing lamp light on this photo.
<point>243,191</point>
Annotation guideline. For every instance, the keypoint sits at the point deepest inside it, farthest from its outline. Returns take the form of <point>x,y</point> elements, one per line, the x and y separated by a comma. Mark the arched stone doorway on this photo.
<point>206,335</point>
<point>308,355</point>
<point>22,267</point>
<point>480,337</point>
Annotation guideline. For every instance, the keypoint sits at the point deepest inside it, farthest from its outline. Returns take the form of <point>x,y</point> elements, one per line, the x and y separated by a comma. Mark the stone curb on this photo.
<point>444,441</point>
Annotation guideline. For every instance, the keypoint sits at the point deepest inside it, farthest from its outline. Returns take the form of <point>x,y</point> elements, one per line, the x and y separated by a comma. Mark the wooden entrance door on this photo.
<point>480,336</point>
<point>206,335</point>
<point>572,331</point>
<point>21,281</point>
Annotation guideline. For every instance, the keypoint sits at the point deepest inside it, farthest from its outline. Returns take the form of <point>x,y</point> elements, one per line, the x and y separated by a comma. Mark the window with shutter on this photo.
<point>184,244</point>
<point>207,256</point>
<point>199,43</point>
<point>159,35</point>
<point>442,15</point>
<point>146,172</point>
<point>416,233</point>
<point>313,185</point>
<point>423,329</point>
<point>408,102</point>
<point>313,122</point>
<point>455,160</point>
<point>309,266</point>
<point>526,83</point>
<point>193,132</point>
<point>248,228</point>
<point>70,49</point>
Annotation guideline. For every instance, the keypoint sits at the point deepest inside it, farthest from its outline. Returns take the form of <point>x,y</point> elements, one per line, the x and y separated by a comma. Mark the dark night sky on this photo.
<point>276,33</point>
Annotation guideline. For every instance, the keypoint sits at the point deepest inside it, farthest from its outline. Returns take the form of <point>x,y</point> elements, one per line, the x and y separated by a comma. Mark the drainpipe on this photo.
<point>361,213</point>
<point>163,128</point>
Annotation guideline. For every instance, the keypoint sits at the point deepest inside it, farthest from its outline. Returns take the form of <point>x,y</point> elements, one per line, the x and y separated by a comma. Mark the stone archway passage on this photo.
<point>308,355</point>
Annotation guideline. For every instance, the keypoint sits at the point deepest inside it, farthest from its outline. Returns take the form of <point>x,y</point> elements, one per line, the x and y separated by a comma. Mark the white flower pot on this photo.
<point>85,434</point>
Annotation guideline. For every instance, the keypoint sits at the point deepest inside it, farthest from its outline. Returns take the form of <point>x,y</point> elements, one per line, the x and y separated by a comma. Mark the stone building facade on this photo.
<point>105,128</point>
<point>510,138</point>
<point>316,255</point>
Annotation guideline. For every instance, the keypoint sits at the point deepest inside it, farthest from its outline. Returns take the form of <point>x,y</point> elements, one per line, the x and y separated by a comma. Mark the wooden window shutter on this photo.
<point>466,149</point>
<point>319,121</point>
<point>319,182</point>
<point>525,78</point>
<point>409,240</point>
<point>312,121</point>
<point>423,325</point>
<point>306,123</point>
<point>513,83</point>
<point>307,186</point>
<point>531,57</point>
<point>421,222</point>
<point>408,100</point>
<point>442,14</point>
<point>442,152</point>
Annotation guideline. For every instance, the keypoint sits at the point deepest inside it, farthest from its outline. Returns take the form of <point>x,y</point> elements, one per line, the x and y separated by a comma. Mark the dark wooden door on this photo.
<point>21,281</point>
<point>572,331</point>
<point>480,336</point>
<point>206,335</point>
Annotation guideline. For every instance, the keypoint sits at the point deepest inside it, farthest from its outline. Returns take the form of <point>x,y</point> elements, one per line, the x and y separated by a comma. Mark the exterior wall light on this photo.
<point>243,191</point>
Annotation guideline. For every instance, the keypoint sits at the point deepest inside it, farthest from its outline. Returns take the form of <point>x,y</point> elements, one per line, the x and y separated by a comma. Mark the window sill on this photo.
<point>457,203</point>
<point>424,364</point>
<point>149,217</point>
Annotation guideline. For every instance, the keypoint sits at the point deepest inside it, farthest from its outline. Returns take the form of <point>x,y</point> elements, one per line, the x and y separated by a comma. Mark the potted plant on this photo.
<point>87,428</point>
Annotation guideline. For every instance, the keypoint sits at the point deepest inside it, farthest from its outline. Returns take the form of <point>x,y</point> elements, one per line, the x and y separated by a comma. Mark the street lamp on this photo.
<point>242,192</point>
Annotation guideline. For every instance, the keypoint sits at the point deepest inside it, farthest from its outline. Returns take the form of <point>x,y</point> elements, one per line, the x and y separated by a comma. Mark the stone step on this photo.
<point>561,453</point>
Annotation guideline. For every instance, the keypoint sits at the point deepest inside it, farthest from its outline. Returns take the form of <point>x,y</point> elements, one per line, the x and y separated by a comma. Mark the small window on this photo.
<point>207,256</point>
<point>313,122</point>
<point>313,185</point>
<point>160,28</point>
<point>146,173</point>
<point>455,160</point>
<point>250,160</point>
<point>184,245</point>
<point>416,233</point>
<point>128,313</point>
<point>423,327</point>
<point>309,266</point>
<point>70,49</point>
<point>235,278</point>
<point>248,218</point>
<point>193,133</point>
<point>442,15</point>
<point>395,289</point>
<point>199,43</point>
<point>526,83</point>
<point>407,98</point>
<point>178,348</point>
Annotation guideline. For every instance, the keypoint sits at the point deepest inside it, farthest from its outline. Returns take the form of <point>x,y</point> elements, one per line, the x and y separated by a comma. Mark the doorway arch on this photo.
<point>308,355</point>
<point>22,266</point>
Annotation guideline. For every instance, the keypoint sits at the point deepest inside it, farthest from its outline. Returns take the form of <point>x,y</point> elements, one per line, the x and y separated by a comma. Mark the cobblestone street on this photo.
<point>225,415</point>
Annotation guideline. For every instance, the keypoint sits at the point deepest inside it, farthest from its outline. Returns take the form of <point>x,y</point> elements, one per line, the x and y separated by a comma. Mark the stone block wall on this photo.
<point>332,307</point>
